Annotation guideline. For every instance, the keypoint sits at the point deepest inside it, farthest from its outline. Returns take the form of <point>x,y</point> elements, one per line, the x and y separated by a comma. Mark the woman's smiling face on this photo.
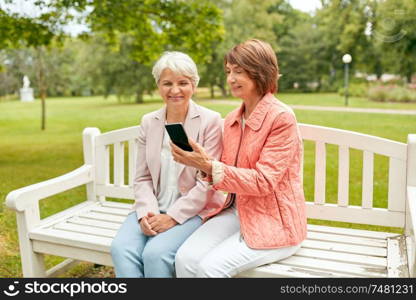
<point>175,89</point>
<point>241,85</point>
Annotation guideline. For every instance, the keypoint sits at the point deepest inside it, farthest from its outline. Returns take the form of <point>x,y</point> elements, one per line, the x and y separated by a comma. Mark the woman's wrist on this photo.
<point>207,168</point>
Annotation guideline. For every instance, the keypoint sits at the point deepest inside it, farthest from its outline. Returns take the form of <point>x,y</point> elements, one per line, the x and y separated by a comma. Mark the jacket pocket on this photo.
<point>278,207</point>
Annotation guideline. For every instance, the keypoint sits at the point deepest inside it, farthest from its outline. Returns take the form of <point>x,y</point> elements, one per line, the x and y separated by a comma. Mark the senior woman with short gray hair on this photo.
<point>170,199</point>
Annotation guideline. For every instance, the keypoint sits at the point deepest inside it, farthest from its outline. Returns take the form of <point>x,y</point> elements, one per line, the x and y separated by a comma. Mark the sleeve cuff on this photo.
<point>217,171</point>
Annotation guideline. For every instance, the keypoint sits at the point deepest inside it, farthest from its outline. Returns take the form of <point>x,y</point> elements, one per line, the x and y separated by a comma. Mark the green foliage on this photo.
<point>355,89</point>
<point>126,38</point>
<point>395,33</point>
<point>243,19</point>
<point>154,26</point>
<point>16,31</point>
<point>301,58</point>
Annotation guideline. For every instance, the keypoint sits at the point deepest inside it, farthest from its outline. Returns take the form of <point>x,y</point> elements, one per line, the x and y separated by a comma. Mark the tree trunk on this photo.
<point>43,99</point>
<point>409,74</point>
<point>212,91</point>
<point>223,90</point>
<point>42,87</point>
<point>139,96</point>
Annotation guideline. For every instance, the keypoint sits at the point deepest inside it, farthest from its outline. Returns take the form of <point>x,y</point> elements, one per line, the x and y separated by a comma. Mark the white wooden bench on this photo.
<point>84,232</point>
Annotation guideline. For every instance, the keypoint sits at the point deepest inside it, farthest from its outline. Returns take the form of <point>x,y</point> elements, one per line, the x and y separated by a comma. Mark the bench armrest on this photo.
<point>22,198</point>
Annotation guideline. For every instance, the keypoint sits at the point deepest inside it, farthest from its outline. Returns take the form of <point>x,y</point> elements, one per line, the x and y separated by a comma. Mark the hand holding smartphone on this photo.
<point>178,136</point>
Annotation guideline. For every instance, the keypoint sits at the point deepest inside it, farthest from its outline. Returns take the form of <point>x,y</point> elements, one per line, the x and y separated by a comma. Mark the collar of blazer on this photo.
<point>191,125</point>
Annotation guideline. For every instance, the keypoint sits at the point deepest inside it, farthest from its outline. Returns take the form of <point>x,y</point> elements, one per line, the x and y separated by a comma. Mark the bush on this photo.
<point>355,90</point>
<point>391,94</point>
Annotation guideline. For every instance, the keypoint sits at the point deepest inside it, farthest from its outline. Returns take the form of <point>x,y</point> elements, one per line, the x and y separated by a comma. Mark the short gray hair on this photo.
<point>177,62</point>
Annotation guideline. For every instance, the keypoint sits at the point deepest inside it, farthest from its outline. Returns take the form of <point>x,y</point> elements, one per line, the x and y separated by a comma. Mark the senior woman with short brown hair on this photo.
<point>263,218</point>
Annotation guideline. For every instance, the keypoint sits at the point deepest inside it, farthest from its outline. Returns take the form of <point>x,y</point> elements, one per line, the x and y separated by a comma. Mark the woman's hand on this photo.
<point>198,159</point>
<point>145,226</point>
<point>161,222</point>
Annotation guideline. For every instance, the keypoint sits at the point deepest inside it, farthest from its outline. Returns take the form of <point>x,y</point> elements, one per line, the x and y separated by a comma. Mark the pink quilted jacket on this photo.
<point>267,179</point>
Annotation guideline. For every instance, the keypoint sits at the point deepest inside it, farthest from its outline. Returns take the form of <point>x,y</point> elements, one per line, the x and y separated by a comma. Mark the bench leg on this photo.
<point>32,262</point>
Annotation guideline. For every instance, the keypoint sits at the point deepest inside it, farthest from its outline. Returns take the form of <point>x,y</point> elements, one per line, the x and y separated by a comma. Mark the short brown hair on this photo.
<point>258,59</point>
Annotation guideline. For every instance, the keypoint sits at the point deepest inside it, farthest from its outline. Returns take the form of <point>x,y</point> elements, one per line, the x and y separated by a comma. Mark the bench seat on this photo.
<point>85,233</point>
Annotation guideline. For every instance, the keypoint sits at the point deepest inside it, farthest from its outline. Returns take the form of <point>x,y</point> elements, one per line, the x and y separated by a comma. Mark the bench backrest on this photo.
<point>113,155</point>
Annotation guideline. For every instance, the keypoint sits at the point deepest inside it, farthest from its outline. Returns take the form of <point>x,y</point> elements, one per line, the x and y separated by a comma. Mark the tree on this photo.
<point>22,31</point>
<point>118,73</point>
<point>342,26</point>
<point>301,59</point>
<point>243,19</point>
<point>149,27</point>
<point>152,25</point>
<point>395,34</point>
<point>142,30</point>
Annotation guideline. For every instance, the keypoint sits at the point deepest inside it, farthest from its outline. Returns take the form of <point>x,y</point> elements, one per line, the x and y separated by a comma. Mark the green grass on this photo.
<point>28,155</point>
<point>326,99</point>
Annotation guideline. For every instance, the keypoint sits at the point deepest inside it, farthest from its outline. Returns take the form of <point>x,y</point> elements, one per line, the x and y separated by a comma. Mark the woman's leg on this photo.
<point>127,248</point>
<point>203,240</point>
<point>160,250</point>
<point>233,256</point>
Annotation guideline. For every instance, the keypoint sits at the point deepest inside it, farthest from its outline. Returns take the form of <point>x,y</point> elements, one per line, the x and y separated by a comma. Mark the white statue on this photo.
<point>26,92</point>
<point>26,82</point>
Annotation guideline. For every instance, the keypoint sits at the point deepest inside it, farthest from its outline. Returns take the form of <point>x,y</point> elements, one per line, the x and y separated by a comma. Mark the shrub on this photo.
<point>391,94</point>
<point>355,90</point>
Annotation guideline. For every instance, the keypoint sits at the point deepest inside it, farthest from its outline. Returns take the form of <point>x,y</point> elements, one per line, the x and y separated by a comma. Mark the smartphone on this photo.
<point>178,136</point>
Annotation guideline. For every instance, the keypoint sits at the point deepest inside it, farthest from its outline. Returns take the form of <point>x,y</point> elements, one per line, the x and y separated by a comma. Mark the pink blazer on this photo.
<point>268,178</point>
<point>197,197</point>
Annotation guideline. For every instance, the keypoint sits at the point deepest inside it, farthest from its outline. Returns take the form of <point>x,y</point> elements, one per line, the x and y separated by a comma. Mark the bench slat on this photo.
<point>132,160</point>
<point>94,223</point>
<point>278,270</point>
<point>320,172</point>
<point>368,174</point>
<point>343,257</point>
<point>351,232</point>
<point>111,211</point>
<point>346,239</point>
<point>340,247</point>
<point>325,265</point>
<point>93,231</point>
<point>103,217</point>
<point>116,205</point>
<point>119,164</point>
<point>343,175</point>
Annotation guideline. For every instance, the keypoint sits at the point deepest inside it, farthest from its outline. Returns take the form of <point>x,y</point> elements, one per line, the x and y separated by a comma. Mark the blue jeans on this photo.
<point>137,255</point>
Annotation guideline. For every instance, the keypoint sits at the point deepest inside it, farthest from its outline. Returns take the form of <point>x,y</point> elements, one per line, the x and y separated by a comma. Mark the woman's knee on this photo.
<point>118,248</point>
<point>185,262</point>
<point>208,269</point>
<point>155,255</point>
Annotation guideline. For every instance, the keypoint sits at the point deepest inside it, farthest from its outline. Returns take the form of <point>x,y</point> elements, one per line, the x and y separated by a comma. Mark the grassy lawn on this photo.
<point>322,99</point>
<point>28,155</point>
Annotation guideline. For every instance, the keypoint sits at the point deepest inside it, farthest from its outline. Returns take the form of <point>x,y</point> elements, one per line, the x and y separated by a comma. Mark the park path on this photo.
<point>333,108</point>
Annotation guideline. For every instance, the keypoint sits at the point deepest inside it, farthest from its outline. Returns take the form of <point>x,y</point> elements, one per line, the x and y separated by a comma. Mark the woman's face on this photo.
<point>175,89</point>
<point>241,85</point>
